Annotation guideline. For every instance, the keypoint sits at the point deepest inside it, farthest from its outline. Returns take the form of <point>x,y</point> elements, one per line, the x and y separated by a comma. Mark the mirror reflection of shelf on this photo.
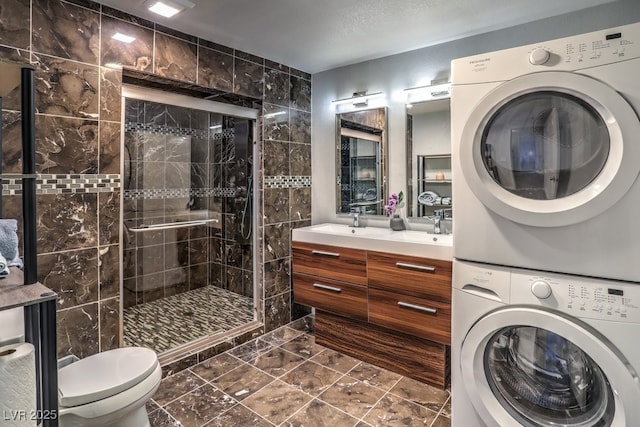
<point>434,176</point>
<point>436,181</point>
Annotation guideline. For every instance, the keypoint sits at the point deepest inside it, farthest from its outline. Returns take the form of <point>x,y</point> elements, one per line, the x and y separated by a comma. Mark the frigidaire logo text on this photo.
<point>479,61</point>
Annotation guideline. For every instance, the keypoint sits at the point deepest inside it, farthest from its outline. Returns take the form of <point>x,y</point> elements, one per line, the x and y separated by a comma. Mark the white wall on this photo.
<point>392,74</point>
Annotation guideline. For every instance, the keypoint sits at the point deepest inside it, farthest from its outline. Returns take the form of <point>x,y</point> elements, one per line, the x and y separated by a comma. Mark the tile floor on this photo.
<point>168,322</point>
<point>285,379</point>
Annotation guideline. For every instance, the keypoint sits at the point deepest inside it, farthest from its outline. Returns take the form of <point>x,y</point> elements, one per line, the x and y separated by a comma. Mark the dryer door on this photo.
<point>551,149</point>
<point>532,367</point>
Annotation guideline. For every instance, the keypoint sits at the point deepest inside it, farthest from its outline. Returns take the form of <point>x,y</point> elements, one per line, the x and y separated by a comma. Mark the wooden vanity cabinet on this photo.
<point>390,310</point>
<point>410,294</point>
<point>331,278</point>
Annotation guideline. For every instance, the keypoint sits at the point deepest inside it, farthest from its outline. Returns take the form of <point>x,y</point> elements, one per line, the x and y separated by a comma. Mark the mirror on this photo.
<point>361,161</point>
<point>429,158</point>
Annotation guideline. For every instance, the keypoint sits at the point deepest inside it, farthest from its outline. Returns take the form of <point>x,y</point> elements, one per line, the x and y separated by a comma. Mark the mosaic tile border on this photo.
<point>177,193</point>
<point>64,184</point>
<point>178,131</point>
<point>288,181</point>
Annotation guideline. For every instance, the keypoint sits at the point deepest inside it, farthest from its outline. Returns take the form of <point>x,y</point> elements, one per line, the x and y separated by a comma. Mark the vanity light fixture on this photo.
<point>358,99</point>
<point>438,89</point>
<point>123,38</point>
<point>168,8</point>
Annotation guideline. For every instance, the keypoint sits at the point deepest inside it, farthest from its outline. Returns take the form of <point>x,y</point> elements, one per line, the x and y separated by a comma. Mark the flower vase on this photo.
<point>397,223</point>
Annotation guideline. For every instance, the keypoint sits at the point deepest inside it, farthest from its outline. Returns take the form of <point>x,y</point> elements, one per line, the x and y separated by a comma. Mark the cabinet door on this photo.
<point>332,262</point>
<point>412,315</point>
<point>336,297</point>
<point>421,277</point>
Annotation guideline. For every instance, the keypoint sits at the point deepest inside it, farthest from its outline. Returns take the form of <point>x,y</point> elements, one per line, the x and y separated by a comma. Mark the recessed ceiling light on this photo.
<point>123,37</point>
<point>168,8</point>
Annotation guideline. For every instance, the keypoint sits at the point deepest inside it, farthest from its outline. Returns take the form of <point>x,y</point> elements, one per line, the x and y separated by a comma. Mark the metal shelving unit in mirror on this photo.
<point>434,184</point>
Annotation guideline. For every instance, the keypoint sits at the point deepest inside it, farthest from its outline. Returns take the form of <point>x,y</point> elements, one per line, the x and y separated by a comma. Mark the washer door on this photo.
<point>532,367</point>
<point>551,149</point>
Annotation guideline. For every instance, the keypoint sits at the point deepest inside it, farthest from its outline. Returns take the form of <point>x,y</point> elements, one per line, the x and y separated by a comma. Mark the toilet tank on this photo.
<point>11,326</point>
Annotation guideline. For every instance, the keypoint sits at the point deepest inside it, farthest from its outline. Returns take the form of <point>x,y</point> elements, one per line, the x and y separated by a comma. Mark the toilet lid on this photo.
<point>104,374</point>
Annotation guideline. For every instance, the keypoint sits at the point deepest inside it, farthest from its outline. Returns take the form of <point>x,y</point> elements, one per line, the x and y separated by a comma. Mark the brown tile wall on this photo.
<point>78,132</point>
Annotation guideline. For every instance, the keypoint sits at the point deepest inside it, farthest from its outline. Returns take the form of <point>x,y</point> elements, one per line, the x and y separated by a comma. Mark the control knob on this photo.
<point>541,289</point>
<point>539,56</point>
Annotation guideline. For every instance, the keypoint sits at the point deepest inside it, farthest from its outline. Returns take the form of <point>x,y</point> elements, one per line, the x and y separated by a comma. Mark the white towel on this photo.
<point>4,268</point>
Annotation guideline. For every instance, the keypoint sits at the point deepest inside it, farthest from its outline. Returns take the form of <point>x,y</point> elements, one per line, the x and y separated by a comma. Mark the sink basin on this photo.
<point>406,242</point>
<point>347,230</point>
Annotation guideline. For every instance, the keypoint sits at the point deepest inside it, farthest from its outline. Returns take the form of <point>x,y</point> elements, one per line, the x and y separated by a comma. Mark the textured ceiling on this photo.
<point>317,35</point>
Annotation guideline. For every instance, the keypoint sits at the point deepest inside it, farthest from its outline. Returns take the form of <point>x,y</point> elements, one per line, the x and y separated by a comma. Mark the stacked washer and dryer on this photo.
<point>546,276</point>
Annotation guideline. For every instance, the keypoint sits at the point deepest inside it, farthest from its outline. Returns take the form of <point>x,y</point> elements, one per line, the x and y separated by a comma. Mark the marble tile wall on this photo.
<point>78,109</point>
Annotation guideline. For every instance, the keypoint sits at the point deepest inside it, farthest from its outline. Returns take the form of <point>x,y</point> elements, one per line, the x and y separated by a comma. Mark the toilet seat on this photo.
<point>104,375</point>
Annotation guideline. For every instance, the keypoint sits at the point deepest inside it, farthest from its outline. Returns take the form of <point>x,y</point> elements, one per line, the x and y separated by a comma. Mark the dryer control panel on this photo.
<point>568,54</point>
<point>578,296</point>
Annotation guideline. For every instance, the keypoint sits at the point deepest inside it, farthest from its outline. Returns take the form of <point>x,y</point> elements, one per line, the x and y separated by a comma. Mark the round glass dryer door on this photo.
<point>545,145</point>
<point>543,379</point>
<point>550,149</point>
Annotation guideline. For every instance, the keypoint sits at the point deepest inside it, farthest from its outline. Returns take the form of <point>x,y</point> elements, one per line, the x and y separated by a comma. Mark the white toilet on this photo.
<point>108,389</point>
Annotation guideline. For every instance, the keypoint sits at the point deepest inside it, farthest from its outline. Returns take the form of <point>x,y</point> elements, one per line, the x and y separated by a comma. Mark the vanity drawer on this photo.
<point>413,315</point>
<point>416,276</point>
<point>336,297</point>
<point>333,262</point>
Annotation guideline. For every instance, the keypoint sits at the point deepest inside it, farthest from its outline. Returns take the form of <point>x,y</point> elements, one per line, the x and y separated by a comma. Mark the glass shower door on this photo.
<point>188,224</point>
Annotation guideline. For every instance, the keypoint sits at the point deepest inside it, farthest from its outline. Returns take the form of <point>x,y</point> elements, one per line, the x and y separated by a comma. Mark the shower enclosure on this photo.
<point>188,219</point>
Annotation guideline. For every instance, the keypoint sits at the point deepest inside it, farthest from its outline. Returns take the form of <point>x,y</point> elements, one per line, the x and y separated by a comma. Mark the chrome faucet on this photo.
<point>356,219</point>
<point>438,215</point>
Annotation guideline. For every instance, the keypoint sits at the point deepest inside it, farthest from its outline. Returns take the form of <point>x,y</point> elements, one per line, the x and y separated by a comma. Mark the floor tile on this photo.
<point>277,401</point>
<point>420,393</point>
<point>446,409</point>
<point>200,406</point>
<point>441,422</point>
<point>243,381</point>
<point>239,415</point>
<point>311,378</point>
<point>280,336</point>
<point>178,319</point>
<point>217,366</point>
<point>304,345</point>
<point>352,396</point>
<point>251,350</point>
<point>318,414</point>
<point>277,362</point>
<point>375,376</point>
<point>304,324</point>
<point>161,418</point>
<point>175,386</point>
<point>335,360</point>
<point>393,410</point>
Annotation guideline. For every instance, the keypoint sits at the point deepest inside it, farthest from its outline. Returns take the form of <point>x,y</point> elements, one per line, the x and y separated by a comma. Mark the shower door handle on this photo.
<point>171,225</point>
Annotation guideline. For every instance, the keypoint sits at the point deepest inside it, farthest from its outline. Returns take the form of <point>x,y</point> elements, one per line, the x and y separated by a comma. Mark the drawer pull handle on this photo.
<point>415,267</point>
<point>323,253</point>
<point>417,307</point>
<point>327,287</point>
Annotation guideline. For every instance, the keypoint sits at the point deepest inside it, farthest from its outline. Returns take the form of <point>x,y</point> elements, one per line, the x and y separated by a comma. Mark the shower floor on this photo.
<point>172,321</point>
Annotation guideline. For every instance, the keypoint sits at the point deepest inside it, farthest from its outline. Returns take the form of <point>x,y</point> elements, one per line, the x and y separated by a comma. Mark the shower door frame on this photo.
<point>162,97</point>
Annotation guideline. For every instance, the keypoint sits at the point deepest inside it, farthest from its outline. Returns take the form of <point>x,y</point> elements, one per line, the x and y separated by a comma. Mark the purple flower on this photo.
<point>393,203</point>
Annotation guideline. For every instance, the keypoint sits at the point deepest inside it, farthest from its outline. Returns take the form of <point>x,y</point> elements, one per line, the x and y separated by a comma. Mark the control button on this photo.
<point>539,56</point>
<point>580,58</point>
<point>582,303</point>
<point>623,309</point>
<point>609,308</point>
<point>541,289</point>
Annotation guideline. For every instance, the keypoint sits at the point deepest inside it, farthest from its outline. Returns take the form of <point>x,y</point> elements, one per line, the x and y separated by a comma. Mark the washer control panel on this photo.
<point>579,296</point>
